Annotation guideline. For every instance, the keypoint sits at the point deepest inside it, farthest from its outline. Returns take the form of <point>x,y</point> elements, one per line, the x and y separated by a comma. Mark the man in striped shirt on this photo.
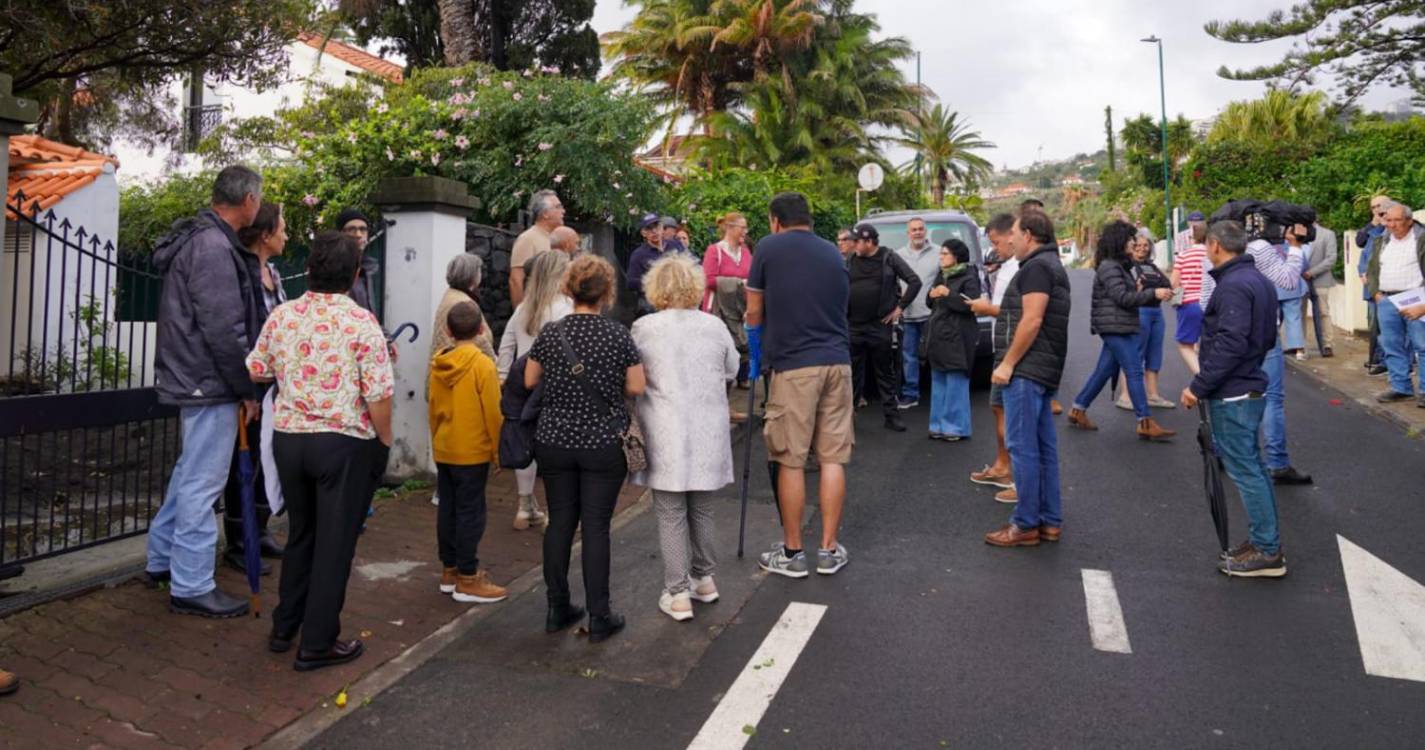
<point>1283,275</point>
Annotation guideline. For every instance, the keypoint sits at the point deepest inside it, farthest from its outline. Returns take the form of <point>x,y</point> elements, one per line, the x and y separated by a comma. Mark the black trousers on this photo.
<point>871,346</point>
<point>580,487</point>
<point>232,493</point>
<point>460,520</point>
<point>327,482</point>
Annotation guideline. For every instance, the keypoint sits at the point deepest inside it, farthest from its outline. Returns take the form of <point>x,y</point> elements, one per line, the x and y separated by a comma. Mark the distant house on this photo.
<point>1013,189</point>
<point>668,157</point>
<point>1072,180</point>
<point>205,105</point>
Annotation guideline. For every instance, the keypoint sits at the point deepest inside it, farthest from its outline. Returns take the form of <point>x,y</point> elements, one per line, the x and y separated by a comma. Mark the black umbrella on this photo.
<point>1316,316</point>
<point>754,348</point>
<point>251,545</point>
<point>1212,476</point>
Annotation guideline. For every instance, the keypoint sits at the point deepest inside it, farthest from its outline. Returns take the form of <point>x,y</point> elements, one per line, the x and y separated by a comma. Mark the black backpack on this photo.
<point>520,408</point>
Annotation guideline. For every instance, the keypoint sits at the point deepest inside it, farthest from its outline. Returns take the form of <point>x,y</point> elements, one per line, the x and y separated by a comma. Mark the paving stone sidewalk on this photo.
<point>113,668</point>
<point>1345,373</point>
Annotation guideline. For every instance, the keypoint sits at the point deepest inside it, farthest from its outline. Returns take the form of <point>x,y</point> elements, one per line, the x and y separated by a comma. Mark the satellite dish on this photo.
<point>871,176</point>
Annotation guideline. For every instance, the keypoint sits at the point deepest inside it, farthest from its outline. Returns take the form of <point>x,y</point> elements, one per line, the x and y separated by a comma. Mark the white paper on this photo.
<point>269,465</point>
<point>1408,298</point>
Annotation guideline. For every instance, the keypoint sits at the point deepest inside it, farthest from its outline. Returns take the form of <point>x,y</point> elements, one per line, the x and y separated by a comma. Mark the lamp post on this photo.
<point>1163,134</point>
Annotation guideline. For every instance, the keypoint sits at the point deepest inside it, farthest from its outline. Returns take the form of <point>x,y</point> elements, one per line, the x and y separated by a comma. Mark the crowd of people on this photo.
<point>584,403</point>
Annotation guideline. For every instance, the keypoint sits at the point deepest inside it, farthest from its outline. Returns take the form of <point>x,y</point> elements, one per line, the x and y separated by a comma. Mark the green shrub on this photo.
<point>147,211</point>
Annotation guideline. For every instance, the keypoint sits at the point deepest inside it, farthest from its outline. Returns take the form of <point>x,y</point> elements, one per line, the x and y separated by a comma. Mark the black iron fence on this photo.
<point>85,447</point>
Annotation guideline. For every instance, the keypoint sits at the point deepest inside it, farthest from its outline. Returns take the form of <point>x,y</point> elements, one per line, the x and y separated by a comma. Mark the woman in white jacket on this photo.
<point>688,358</point>
<point>544,303</point>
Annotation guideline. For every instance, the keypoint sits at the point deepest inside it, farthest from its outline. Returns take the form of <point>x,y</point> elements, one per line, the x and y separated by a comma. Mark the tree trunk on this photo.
<point>458,32</point>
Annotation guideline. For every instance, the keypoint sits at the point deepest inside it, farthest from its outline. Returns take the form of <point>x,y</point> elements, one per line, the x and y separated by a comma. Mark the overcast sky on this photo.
<point>1032,74</point>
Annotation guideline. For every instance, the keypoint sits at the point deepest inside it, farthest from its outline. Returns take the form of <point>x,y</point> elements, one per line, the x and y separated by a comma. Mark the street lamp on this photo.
<point>1163,135</point>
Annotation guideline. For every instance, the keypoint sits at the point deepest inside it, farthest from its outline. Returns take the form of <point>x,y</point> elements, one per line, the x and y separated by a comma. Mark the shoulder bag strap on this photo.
<point>576,368</point>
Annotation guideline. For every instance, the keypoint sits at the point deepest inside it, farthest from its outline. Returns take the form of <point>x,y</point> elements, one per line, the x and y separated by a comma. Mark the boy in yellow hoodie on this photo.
<point>464,393</point>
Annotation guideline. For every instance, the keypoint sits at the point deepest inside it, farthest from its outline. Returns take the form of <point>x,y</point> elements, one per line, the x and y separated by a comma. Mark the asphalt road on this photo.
<point>930,638</point>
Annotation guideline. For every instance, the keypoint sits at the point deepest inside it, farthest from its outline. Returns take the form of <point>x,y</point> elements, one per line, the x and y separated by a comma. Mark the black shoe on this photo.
<point>894,424</point>
<point>280,643</point>
<point>214,604</point>
<point>743,385</point>
<point>562,616</point>
<point>341,652</point>
<point>156,578</point>
<point>1420,400</point>
<point>602,628</point>
<point>235,558</point>
<point>1376,370</point>
<point>1327,352</point>
<point>1391,396</point>
<point>1289,475</point>
<point>270,548</point>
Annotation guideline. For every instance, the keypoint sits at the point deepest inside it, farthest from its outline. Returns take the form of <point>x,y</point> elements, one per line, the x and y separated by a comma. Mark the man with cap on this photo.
<point>670,235</point>
<point>650,226</point>
<point>875,304</point>
<point>1183,240</point>
<point>354,224</point>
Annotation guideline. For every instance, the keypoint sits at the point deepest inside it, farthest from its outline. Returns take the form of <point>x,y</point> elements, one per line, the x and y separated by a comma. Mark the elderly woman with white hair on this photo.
<point>688,359</point>
<point>462,274</point>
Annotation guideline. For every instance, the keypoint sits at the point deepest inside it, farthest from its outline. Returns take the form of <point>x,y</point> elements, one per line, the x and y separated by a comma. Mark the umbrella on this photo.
<point>396,334</point>
<point>754,366</point>
<point>1212,476</point>
<point>251,546</point>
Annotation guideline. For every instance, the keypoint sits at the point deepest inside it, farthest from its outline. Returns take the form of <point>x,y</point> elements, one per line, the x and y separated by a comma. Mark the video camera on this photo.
<point>1267,221</point>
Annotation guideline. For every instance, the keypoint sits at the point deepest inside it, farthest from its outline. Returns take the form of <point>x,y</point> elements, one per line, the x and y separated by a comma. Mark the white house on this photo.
<point>311,62</point>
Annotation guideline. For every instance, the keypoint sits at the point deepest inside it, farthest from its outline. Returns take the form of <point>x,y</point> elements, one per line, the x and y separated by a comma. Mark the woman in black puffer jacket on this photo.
<point>1114,318</point>
<point>949,342</point>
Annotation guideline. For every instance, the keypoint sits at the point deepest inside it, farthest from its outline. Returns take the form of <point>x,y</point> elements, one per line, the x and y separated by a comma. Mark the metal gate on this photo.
<point>85,447</point>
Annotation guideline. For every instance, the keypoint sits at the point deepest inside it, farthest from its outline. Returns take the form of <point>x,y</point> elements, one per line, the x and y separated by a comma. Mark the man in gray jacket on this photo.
<point>1318,274</point>
<point>207,320</point>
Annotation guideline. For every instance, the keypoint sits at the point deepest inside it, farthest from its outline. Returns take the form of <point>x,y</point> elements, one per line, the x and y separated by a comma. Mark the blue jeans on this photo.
<point>183,536</point>
<point>1234,436</point>
<point>1274,424</point>
<point>1033,453</point>
<point>1293,335</point>
<point>950,402</point>
<point>910,358</point>
<point>1401,341</point>
<point>1120,351</point>
<point>1150,337</point>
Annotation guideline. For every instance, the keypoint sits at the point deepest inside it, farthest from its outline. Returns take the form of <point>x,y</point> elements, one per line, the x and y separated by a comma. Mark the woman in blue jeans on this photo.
<point>949,342</point>
<point>1114,318</point>
<point>1150,320</point>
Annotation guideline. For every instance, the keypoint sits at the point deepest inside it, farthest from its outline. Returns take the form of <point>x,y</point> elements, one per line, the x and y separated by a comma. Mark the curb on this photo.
<point>318,720</point>
<point>1367,404</point>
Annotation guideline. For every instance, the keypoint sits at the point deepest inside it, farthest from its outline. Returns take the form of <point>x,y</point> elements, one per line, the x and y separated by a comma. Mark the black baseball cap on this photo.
<point>866,232</point>
<point>1196,216</point>
<point>647,221</point>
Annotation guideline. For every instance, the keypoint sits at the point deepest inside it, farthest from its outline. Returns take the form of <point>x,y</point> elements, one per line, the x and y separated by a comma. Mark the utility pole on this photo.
<point>920,117</point>
<point>1167,186</point>
<point>1108,130</point>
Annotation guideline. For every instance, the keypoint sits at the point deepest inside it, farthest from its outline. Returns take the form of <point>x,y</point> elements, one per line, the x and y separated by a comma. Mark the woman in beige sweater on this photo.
<point>462,275</point>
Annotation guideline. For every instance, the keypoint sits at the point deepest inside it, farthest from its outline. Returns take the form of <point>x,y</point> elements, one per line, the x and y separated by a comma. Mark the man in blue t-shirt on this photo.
<point>799,286</point>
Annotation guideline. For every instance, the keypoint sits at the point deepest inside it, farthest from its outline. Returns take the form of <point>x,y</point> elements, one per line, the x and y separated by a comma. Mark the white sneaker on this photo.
<point>434,499</point>
<point>677,606</point>
<point>703,589</point>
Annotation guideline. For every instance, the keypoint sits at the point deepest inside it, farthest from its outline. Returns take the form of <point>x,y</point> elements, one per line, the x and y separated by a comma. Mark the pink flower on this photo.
<point>457,82</point>
<point>435,159</point>
<point>439,134</point>
<point>509,85</point>
<point>559,178</point>
<point>415,153</point>
<point>518,193</point>
<point>457,98</point>
<point>545,146</point>
<point>633,212</point>
<point>310,200</point>
<point>382,108</point>
<point>518,96</point>
<point>390,155</point>
<point>351,138</point>
<point>616,186</point>
<point>542,98</point>
<point>308,134</point>
<point>461,142</point>
<point>519,161</point>
<point>528,74</point>
<point>476,113</point>
<point>551,69</point>
<point>483,81</point>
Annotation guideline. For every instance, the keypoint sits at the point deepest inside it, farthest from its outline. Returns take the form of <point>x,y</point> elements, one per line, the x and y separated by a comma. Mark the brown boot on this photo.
<point>1013,536</point>
<point>1150,430</point>
<point>9,683</point>
<point>1080,419</point>
<point>478,589</point>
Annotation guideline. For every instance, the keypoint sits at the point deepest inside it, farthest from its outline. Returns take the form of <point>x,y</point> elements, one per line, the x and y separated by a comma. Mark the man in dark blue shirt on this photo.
<point>1239,330</point>
<point>799,286</point>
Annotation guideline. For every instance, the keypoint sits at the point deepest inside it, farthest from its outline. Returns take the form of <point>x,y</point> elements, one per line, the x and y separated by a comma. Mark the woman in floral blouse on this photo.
<point>331,441</point>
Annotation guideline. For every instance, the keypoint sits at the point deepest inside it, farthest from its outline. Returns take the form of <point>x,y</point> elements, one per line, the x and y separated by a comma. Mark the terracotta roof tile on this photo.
<point>355,56</point>
<point>45,171</point>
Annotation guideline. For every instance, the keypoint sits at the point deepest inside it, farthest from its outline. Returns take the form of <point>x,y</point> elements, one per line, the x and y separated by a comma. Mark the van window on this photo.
<point>894,235</point>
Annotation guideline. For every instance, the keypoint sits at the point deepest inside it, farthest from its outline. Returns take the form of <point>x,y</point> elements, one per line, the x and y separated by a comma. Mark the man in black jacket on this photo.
<point>1239,330</point>
<point>207,321</point>
<point>875,305</point>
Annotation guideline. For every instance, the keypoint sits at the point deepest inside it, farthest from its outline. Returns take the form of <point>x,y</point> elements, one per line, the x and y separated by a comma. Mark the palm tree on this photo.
<point>768,30</point>
<point>1278,116</point>
<point>665,52</point>
<point>946,147</point>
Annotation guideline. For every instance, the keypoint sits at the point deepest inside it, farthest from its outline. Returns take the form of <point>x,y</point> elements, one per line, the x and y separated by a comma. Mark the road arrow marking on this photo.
<point>1106,626</point>
<point>735,719</point>
<point>1389,609</point>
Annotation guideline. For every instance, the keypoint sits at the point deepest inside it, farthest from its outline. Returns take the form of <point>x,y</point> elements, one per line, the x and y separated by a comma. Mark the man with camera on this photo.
<point>1239,331</point>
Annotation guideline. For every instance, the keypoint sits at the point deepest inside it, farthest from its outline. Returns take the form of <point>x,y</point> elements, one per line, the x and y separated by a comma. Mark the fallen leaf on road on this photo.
<point>366,634</point>
<point>749,730</point>
<point>1334,402</point>
<point>341,699</point>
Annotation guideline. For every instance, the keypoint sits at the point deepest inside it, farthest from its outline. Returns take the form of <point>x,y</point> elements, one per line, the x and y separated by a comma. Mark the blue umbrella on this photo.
<point>251,546</point>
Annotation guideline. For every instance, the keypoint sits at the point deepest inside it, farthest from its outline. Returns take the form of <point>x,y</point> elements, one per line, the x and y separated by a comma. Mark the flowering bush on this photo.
<point>504,134</point>
<point>704,197</point>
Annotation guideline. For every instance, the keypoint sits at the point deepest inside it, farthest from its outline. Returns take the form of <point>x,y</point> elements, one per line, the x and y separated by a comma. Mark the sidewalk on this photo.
<point>1345,373</point>
<point>114,668</point>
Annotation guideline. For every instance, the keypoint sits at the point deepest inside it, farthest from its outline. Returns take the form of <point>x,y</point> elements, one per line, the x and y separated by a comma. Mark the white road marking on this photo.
<point>1389,609</point>
<point>1106,626</point>
<point>752,692</point>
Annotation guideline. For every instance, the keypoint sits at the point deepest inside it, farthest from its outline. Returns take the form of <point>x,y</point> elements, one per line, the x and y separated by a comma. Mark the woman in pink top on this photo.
<point>726,264</point>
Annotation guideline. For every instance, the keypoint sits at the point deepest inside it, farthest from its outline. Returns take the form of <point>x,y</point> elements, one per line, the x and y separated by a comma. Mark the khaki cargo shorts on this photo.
<point>810,408</point>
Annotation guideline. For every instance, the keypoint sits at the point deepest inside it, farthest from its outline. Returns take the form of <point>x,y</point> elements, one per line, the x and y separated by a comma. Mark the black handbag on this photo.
<point>516,446</point>
<point>630,434</point>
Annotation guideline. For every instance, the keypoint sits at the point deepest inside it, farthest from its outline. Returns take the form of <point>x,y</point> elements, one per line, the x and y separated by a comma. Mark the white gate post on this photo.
<point>428,229</point>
